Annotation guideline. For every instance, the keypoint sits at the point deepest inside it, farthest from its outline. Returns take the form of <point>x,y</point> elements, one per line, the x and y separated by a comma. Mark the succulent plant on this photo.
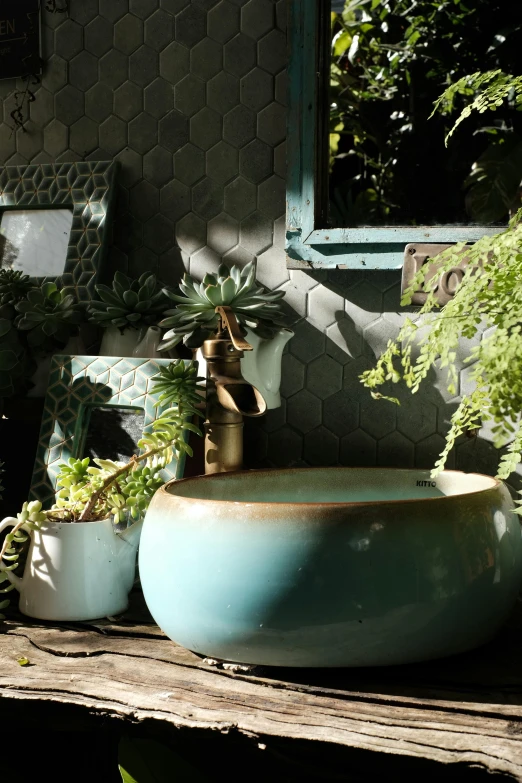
<point>49,316</point>
<point>129,303</point>
<point>14,286</point>
<point>195,318</point>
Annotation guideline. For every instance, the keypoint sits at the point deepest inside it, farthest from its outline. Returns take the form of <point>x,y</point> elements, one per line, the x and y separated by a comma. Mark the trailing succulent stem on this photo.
<point>129,303</point>
<point>194,318</point>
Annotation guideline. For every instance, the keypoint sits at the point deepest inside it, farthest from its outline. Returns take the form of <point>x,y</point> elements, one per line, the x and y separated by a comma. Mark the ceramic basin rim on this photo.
<point>164,492</point>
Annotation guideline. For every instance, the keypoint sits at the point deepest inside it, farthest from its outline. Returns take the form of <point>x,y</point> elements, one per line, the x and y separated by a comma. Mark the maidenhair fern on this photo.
<point>490,90</point>
<point>490,295</point>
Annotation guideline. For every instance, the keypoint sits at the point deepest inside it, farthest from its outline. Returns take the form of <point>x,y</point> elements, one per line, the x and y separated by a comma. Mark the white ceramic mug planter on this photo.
<point>76,570</point>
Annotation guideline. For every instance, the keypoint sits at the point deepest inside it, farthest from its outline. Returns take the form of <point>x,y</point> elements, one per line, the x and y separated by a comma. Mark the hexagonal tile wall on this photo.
<point>190,98</point>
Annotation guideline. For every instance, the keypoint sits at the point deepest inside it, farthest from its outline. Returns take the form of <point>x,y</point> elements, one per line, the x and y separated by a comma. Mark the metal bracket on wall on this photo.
<point>416,255</point>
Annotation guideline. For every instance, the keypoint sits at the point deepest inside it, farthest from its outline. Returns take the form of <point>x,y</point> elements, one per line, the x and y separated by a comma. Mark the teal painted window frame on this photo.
<point>309,245</point>
<point>78,384</point>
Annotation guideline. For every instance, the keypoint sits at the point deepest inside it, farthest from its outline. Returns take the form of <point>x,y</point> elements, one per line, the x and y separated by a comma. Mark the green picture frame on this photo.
<point>84,187</point>
<point>76,385</point>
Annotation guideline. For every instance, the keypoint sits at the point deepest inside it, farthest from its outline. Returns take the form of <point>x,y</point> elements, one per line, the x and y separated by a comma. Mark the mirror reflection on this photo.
<point>35,241</point>
<point>113,433</point>
<point>388,163</point>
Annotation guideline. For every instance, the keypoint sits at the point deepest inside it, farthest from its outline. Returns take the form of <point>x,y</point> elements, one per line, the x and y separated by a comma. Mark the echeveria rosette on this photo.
<point>195,318</point>
<point>49,315</point>
<point>14,286</point>
<point>129,303</point>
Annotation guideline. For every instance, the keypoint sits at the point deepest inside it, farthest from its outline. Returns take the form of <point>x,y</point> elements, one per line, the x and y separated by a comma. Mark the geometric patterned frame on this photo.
<point>87,188</point>
<point>77,383</point>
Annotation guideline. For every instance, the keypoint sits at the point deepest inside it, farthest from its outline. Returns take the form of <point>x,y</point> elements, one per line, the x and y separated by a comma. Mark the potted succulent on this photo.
<point>79,566</point>
<point>129,312</point>
<point>258,312</point>
<point>50,318</point>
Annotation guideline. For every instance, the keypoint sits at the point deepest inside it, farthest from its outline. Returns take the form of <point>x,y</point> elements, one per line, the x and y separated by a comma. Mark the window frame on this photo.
<point>308,244</point>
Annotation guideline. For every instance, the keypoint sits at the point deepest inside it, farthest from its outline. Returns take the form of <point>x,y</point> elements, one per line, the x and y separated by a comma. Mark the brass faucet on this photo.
<point>229,396</point>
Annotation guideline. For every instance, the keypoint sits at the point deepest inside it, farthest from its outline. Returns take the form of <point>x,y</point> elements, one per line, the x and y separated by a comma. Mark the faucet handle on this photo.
<point>229,322</point>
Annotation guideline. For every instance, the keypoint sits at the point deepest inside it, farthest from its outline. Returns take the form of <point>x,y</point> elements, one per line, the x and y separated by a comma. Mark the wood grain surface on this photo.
<point>466,709</point>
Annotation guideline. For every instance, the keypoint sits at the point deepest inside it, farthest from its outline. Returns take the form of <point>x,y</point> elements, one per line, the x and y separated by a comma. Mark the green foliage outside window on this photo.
<point>390,61</point>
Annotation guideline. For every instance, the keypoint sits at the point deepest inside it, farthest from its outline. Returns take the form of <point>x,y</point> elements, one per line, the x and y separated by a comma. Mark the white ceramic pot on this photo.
<point>117,343</point>
<point>262,366</point>
<point>76,571</point>
<point>147,348</point>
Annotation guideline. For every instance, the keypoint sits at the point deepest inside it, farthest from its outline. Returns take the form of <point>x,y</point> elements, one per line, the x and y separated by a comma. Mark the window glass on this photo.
<point>390,60</point>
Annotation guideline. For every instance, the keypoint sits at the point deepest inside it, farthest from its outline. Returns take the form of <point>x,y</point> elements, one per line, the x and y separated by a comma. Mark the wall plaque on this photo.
<point>19,38</point>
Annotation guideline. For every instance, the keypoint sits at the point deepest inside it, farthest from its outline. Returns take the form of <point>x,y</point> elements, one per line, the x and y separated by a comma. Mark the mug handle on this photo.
<point>13,578</point>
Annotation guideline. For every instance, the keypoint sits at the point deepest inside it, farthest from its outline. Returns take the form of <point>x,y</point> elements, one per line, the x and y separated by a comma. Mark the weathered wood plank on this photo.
<point>152,678</point>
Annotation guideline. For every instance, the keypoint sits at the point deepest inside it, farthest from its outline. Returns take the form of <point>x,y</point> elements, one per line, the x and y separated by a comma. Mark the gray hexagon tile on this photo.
<point>159,29</point>
<point>99,101</point>
<point>358,449</point>
<point>222,162</point>
<point>128,34</point>
<point>223,92</point>
<point>257,89</point>
<point>206,59</point>
<point>128,101</point>
<point>303,411</point>
<point>205,128</point>
<point>98,36</point>
<point>240,198</point>
<point>189,164</point>
<point>189,96</point>
<point>222,233</point>
<point>321,447</point>
<point>324,376</point>
<point>394,449</point>
<point>191,25</point>
<point>239,55</point>
<point>158,98</point>
<point>223,21</point>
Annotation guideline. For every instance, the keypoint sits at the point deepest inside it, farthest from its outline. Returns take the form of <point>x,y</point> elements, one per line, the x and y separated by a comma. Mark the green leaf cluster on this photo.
<point>49,315</point>
<point>129,304</point>
<point>195,319</point>
<point>490,295</point>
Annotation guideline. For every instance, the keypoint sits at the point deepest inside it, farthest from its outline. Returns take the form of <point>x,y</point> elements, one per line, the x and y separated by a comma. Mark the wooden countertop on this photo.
<point>466,709</point>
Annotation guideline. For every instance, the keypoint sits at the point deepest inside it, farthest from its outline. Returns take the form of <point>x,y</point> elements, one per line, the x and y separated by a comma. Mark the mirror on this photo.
<point>388,162</point>
<point>113,433</point>
<point>35,241</point>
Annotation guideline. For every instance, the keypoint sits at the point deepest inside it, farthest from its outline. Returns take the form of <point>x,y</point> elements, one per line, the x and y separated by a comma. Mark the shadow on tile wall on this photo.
<point>189,96</point>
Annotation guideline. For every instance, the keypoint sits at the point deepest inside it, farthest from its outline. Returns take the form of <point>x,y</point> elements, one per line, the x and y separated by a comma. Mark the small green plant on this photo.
<point>129,304</point>
<point>195,318</point>
<point>490,295</point>
<point>89,492</point>
<point>14,286</point>
<point>49,315</point>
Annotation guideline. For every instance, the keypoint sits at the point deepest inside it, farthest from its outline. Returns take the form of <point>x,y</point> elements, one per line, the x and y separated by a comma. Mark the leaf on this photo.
<point>148,761</point>
<point>495,180</point>
<point>228,290</point>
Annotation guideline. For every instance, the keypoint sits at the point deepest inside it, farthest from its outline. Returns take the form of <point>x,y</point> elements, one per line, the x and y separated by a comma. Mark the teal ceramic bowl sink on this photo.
<point>331,566</point>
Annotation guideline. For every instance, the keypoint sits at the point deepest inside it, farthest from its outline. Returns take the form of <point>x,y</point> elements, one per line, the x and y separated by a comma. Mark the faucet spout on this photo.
<point>229,396</point>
